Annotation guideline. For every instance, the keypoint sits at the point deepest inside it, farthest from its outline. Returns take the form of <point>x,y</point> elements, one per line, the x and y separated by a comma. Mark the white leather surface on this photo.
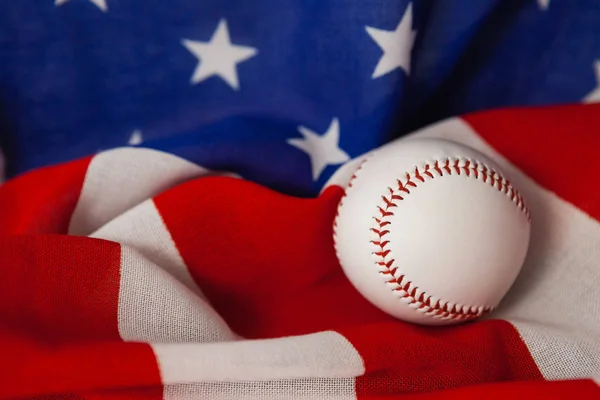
<point>458,239</point>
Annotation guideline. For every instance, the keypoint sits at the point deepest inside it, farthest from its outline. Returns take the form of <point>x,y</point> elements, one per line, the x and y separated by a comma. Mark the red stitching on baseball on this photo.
<point>421,300</point>
<point>416,298</point>
<point>352,178</point>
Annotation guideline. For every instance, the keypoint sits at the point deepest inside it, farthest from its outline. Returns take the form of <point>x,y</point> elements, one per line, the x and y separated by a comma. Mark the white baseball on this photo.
<point>431,231</point>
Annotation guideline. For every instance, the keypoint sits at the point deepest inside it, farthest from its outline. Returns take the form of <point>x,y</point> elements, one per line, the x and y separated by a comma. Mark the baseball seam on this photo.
<point>348,186</point>
<point>399,283</point>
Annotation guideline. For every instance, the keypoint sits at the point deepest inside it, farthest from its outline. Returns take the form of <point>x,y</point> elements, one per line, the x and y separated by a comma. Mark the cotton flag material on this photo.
<point>135,274</point>
<point>281,92</point>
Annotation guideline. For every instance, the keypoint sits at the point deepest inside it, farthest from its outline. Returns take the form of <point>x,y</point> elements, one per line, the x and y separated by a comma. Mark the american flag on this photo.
<point>281,92</point>
<point>134,273</point>
<point>173,170</point>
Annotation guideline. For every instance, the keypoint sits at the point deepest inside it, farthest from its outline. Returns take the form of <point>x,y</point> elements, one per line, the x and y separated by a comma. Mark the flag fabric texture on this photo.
<point>171,172</point>
<point>135,274</point>
<point>251,86</point>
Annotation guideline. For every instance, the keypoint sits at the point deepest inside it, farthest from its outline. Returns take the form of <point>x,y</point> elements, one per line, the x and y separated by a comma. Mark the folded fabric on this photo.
<point>134,274</point>
<point>250,85</point>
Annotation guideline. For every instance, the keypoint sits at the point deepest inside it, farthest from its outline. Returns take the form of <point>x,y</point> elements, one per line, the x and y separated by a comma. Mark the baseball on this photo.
<point>431,231</point>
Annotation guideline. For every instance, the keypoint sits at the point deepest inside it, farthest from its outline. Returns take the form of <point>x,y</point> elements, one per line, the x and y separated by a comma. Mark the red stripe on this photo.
<point>151,393</point>
<point>546,390</point>
<point>61,396</point>
<point>58,318</point>
<point>403,358</point>
<point>556,146</point>
<point>265,260</point>
<point>43,200</point>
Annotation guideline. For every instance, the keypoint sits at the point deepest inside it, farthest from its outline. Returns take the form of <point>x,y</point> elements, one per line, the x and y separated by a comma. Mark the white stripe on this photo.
<point>597,380</point>
<point>560,353</point>
<point>555,302</point>
<point>318,355</point>
<point>306,389</point>
<point>143,229</point>
<point>156,307</point>
<point>118,179</point>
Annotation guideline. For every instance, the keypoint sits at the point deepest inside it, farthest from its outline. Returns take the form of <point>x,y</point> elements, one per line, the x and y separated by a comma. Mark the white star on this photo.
<point>322,150</point>
<point>218,56</point>
<point>396,45</point>
<point>135,138</point>
<point>544,4</point>
<point>101,4</point>
<point>594,95</point>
